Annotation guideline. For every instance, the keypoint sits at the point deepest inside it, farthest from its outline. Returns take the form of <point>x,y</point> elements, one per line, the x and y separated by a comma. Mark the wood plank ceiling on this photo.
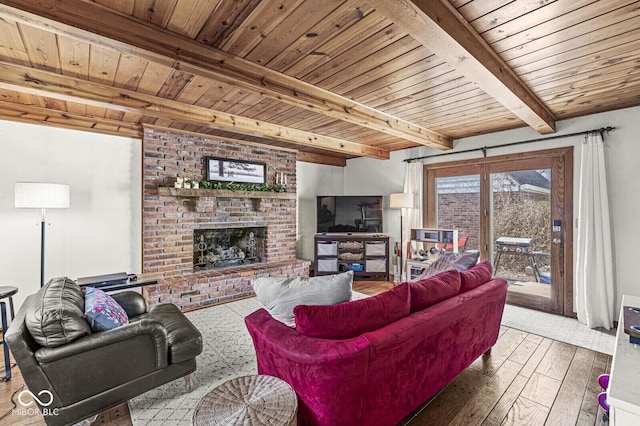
<point>332,79</point>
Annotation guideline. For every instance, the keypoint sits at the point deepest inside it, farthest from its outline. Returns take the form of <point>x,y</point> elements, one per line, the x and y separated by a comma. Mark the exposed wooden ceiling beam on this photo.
<point>43,83</point>
<point>438,26</point>
<point>44,116</point>
<point>312,157</point>
<point>135,37</point>
<point>31,114</point>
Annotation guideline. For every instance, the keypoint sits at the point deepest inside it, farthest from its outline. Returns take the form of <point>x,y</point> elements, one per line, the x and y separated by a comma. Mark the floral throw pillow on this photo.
<point>101,311</point>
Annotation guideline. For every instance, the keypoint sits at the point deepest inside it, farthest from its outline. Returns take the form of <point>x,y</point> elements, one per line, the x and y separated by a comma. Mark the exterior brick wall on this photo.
<point>168,221</point>
<point>462,212</point>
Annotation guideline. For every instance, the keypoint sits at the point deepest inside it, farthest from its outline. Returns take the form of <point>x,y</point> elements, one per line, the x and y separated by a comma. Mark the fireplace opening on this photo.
<point>221,248</point>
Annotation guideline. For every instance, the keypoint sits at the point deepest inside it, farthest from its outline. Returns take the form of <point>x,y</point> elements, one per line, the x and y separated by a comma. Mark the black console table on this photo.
<point>129,283</point>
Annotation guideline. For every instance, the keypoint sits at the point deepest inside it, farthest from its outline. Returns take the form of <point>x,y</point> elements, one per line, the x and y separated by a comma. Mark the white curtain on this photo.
<point>595,303</point>
<point>413,185</point>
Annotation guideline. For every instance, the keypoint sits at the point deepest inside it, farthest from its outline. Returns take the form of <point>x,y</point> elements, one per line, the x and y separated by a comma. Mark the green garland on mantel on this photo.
<point>232,186</point>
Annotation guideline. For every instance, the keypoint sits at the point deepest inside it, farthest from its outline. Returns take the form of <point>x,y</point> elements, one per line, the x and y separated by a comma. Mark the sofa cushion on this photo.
<point>102,311</point>
<point>351,319</point>
<point>473,277</point>
<point>447,261</point>
<point>431,290</point>
<point>280,295</point>
<point>59,317</point>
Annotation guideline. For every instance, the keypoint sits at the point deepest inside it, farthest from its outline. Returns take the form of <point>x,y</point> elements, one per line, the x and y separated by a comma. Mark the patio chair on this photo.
<point>462,242</point>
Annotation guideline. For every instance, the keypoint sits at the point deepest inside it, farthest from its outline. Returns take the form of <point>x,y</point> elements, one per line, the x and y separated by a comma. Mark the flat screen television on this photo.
<point>349,213</point>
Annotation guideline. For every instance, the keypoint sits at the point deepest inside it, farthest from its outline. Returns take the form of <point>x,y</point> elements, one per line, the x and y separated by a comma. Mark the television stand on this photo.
<point>367,255</point>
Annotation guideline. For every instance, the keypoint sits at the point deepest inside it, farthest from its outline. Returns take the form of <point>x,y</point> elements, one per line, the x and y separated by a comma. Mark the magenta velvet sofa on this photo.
<point>376,360</point>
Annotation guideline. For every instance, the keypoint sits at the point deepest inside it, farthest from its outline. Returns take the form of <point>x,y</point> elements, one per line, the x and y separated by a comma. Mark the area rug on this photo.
<point>560,328</point>
<point>228,352</point>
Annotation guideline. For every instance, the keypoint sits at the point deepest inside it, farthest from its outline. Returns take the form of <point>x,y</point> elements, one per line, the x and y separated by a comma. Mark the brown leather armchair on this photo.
<point>99,370</point>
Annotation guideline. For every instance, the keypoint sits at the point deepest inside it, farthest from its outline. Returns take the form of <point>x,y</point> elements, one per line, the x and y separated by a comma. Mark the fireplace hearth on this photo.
<point>227,247</point>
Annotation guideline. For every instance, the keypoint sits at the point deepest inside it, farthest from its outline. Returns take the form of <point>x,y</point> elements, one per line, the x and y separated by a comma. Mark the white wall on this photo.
<point>358,178</point>
<point>100,232</point>
<point>622,150</point>
<point>313,180</point>
<point>376,177</point>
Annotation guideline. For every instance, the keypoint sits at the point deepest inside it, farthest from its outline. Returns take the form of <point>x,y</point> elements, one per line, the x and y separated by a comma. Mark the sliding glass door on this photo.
<point>514,211</point>
<point>521,224</point>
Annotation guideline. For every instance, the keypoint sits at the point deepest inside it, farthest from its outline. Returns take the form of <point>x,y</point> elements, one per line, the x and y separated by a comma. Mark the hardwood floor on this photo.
<point>526,380</point>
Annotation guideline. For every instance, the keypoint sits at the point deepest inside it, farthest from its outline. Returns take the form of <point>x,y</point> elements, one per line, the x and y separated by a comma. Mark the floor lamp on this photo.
<point>401,200</point>
<point>30,195</point>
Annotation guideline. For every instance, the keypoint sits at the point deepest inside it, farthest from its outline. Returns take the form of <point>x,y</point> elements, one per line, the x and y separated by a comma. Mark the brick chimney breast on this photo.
<point>169,222</point>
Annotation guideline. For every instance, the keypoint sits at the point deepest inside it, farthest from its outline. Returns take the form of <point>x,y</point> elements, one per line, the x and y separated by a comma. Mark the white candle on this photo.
<point>285,178</point>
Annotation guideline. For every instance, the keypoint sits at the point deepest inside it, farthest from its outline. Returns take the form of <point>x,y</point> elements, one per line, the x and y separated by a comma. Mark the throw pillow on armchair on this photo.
<point>102,311</point>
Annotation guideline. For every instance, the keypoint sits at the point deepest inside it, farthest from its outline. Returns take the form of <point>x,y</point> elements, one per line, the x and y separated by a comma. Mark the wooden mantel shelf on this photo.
<point>189,192</point>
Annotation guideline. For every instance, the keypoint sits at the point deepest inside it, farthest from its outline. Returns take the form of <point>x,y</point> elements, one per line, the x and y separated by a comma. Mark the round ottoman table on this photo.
<point>248,400</point>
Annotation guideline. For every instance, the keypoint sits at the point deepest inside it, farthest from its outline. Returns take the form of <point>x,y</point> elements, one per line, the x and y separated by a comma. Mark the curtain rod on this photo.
<point>484,149</point>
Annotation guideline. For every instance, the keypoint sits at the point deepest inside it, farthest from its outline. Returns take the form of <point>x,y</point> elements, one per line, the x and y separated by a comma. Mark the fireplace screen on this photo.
<point>220,248</point>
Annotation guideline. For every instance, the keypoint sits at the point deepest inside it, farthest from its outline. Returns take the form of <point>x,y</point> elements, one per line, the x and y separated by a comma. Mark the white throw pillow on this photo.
<point>280,295</point>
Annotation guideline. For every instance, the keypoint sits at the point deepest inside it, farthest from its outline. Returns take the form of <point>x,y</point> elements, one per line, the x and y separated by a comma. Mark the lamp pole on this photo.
<point>35,195</point>
<point>402,200</point>
<point>42,224</point>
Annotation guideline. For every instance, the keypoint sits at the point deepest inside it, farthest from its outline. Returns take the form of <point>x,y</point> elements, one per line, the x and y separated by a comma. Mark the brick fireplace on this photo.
<point>170,222</point>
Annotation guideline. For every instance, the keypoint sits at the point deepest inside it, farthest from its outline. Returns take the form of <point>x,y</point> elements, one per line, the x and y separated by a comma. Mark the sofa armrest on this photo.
<point>297,347</point>
<point>329,376</point>
<point>133,303</point>
<point>117,336</point>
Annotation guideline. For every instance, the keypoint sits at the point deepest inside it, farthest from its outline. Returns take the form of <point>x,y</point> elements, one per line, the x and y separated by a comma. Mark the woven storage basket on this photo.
<point>248,400</point>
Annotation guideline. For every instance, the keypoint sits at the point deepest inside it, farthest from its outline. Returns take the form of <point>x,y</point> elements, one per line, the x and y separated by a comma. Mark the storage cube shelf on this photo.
<point>366,255</point>
<point>327,265</point>
<point>375,248</point>
<point>327,248</point>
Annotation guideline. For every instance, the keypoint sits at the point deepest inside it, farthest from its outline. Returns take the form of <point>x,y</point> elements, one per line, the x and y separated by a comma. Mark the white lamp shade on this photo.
<point>401,200</point>
<point>31,195</point>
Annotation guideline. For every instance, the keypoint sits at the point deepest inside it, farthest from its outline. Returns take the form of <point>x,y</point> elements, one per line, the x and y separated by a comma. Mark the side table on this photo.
<point>4,293</point>
<point>248,400</point>
<point>623,394</point>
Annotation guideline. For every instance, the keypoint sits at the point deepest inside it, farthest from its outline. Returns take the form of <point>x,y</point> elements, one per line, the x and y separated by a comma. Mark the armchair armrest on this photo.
<point>133,303</point>
<point>120,335</point>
